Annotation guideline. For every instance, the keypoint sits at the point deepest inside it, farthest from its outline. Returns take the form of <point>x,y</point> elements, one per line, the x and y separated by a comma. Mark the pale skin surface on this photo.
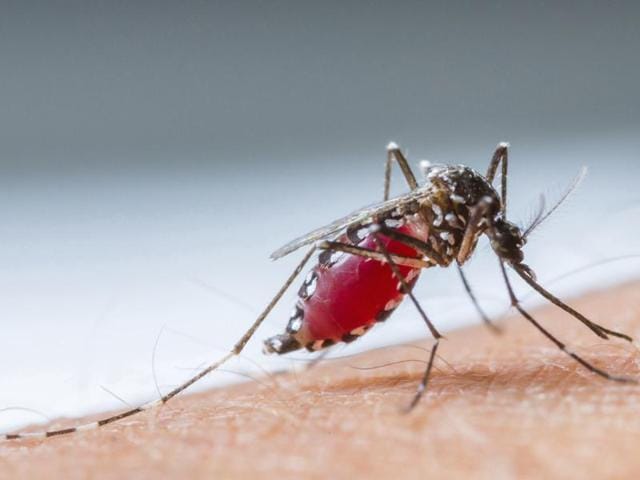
<point>511,406</point>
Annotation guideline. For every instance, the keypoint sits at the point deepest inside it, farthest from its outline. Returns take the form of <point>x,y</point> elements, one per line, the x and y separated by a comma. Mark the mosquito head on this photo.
<point>507,240</point>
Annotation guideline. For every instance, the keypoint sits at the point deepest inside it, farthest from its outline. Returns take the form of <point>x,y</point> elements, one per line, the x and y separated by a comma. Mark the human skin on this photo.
<point>507,406</point>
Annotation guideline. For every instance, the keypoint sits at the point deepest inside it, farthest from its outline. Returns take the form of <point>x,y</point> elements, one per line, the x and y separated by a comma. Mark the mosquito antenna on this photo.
<point>542,216</point>
<point>539,212</point>
<point>599,330</point>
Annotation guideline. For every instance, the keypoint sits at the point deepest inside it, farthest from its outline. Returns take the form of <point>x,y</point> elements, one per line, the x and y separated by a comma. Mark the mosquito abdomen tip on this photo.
<point>280,344</point>
<point>504,145</point>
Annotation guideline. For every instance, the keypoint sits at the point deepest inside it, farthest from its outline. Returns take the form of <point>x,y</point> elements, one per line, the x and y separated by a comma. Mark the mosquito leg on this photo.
<point>394,153</point>
<point>467,287</point>
<point>436,334</point>
<point>237,349</point>
<point>422,247</point>
<point>422,387</point>
<point>373,254</point>
<point>500,155</point>
<point>428,251</point>
<point>501,149</point>
<point>596,328</point>
<point>592,368</point>
<point>239,346</point>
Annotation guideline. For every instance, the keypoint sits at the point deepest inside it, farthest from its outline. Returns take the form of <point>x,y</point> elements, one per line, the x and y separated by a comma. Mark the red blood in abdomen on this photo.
<point>351,293</point>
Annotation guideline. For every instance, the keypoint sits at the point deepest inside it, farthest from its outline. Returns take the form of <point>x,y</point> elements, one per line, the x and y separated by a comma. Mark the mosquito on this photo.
<point>370,260</point>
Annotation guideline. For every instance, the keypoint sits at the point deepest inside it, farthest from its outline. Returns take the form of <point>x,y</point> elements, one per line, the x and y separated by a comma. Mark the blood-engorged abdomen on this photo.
<point>344,294</point>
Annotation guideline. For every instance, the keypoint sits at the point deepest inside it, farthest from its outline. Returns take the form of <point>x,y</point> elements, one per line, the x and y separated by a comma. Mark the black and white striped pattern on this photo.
<point>86,426</point>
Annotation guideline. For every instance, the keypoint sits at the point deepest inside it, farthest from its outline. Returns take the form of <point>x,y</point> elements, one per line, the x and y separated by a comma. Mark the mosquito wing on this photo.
<point>361,216</point>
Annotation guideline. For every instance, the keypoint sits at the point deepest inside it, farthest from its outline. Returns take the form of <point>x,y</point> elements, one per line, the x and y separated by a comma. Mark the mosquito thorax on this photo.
<point>463,205</point>
<point>463,184</point>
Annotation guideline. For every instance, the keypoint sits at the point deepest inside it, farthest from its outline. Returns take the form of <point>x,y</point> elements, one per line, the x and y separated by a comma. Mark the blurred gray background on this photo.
<point>152,155</point>
<point>113,86</point>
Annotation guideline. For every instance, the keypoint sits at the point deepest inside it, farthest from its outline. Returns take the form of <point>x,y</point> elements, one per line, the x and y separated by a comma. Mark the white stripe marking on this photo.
<point>33,435</point>
<point>87,426</point>
<point>150,405</point>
